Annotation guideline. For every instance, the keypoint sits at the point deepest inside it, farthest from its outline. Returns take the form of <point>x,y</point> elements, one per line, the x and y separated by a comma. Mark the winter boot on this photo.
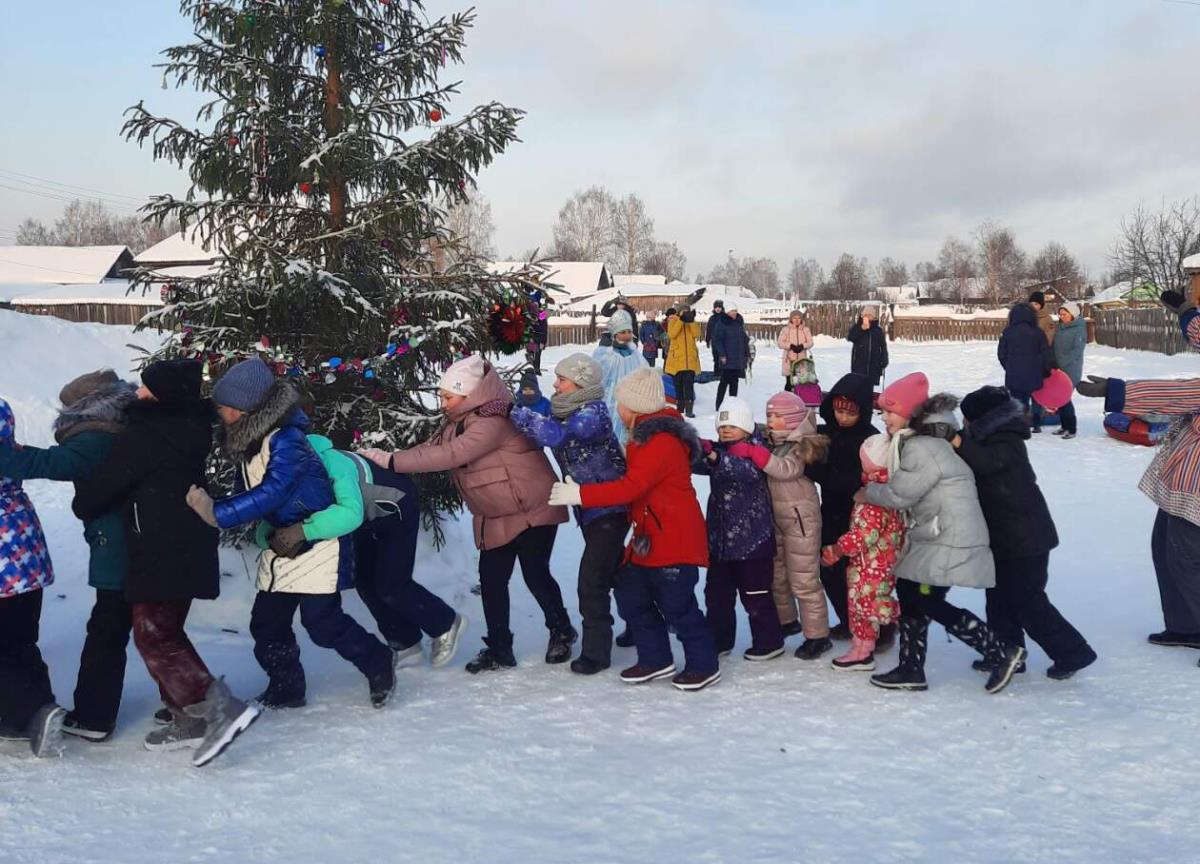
<point>1061,671</point>
<point>406,657</point>
<point>72,725</point>
<point>562,638</point>
<point>860,657</point>
<point>839,631</point>
<point>691,681</point>
<point>1005,669</point>
<point>1175,639</point>
<point>443,648</point>
<point>758,654</point>
<point>982,665</point>
<point>182,733</point>
<point>225,717</point>
<point>587,666</point>
<point>625,639</point>
<point>812,649</point>
<point>276,699</point>
<point>497,655</point>
<point>910,674</point>
<point>691,410</point>
<point>887,637</point>
<point>45,730</point>
<point>792,628</point>
<point>639,674</point>
<point>1003,659</point>
<point>382,686</point>
<point>7,733</point>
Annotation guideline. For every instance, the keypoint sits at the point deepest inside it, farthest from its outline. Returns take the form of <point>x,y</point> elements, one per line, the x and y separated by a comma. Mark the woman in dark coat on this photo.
<point>869,356</point>
<point>1021,531</point>
<point>1026,357</point>
<point>733,353</point>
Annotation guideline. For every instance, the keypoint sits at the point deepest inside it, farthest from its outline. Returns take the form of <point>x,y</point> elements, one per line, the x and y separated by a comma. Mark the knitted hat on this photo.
<point>642,391</point>
<point>1038,297</point>
<point>86,385</point>
<point>789,406</point>
<point>845,403</point>
<point>871,310</point>
<point>581,369</point>
<point>906,395</point>
<point>874,454</point>
<point>173,381</point>
<point>529,381</point>
<point>1072,307</point>
<point>244,387</point>
<point>736,412</point>
<point>718,304</point>
<point>983,401</point>
<point>463,377</point>
<point>620,320</point>
<point>732,307</point>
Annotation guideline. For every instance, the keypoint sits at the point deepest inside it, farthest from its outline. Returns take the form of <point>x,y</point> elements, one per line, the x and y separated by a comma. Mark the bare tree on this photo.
<point>1152,246</point>
<point>927,271</point>
<point>760,275</point>
<point>665,259</point>
<point>850,279</point>
<point>633,235</point>
<point>957,266</point>
<point>584,230</point>
<point>804,278</point>
<point>90,223</point>
<point>1003,263</point>
<point>471,221</point>
<point>892,272</point>
<point>31,232</point>
<point>1055,264</point>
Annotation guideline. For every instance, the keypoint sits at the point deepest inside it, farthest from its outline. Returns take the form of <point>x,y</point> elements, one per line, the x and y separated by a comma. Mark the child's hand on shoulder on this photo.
<point>830,556</point>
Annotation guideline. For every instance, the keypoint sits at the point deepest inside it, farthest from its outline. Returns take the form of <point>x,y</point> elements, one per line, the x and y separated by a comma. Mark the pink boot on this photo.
<point>860,657</point>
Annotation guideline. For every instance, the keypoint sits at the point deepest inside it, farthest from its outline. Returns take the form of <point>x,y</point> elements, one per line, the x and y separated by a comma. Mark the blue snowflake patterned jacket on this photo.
<point>741,523</point>
<point>24,558</point>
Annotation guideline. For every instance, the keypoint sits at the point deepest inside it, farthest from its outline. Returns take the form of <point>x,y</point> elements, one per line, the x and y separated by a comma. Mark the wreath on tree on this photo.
<point>511,326</point>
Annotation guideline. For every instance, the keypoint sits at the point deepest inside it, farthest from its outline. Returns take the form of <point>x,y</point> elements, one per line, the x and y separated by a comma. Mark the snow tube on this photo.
<point>1135,430</point>
<point>707,377</point>
<point>1056,391</point>
<point>669,386</point>
<point>810,393</point>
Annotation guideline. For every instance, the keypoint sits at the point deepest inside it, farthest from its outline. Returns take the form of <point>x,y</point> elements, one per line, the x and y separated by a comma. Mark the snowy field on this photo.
<point>783,761</point>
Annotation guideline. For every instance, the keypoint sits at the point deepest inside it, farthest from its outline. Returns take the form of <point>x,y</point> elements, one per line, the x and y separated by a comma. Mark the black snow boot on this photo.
<point>497,655</point>
<point>562,637</point>
<point>382,686</point>
<point>812,649</point>
<point>910,674</point>
<point>1002,659</point>
<point>276,698</point>
<point>625,639</point>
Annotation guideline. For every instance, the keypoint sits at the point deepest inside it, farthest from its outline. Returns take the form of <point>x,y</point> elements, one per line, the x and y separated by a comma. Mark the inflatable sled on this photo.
<point>1147,431</point>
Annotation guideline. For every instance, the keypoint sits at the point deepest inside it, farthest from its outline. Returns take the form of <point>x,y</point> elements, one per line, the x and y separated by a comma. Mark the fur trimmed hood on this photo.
<point>281,408</point>
<point>672,423</point>
<point>936,417</point>
<point>103,410</point>
<point>1006,417</point>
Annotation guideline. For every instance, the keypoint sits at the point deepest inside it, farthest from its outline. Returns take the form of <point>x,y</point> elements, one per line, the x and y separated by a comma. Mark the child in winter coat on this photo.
<point>656,587</point>
<point>154,462</point>
<point>27,706</point>
<point>579,432</point>
<point>1021,531</point>
<point>947,535</point>
<point>846,412</point>
<point>1070,341</point>
<point>792,431</point>
<point>872,544</point>
<point>92,416</point>
<point>617,359</point>
<point>651,336</point>
<point>504,480</point>
<point>529,395</point>
<point>741,534</point>
<point>795,340</point>
<point>280,479</point>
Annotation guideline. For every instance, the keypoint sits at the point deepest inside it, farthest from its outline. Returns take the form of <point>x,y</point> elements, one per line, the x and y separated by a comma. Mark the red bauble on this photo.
<point>232,140</point>
<point>306,188</point>
<point>435,115</point>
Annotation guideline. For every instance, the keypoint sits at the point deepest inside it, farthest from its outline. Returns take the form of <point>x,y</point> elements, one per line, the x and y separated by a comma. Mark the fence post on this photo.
<point>592,325</point>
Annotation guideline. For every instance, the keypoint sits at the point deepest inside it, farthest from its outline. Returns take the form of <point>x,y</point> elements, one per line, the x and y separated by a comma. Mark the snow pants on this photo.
<point>1175,547</point>
<point>604,544</point>
<point>384,557</point>
<point>1019,605</point>
<point>532,547</point>
<point>752,581</point>
<point>685,388</point>
<point>922,603</point>
<point>650,599</point>
<point>730,378</point>
<point>328,626</point>
<point>24,678</point>
<point>798,592</point>
<point>870,599</point>
<point>170,657</point>
<point>102,662</point>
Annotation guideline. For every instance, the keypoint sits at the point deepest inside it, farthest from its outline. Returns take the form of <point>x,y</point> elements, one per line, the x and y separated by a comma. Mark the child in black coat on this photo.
<point>1022,532</point>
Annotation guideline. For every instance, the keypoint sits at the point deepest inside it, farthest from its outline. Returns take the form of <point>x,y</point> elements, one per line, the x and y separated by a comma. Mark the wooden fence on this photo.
<point>1150,328</point>
<point>947,329</point>
<point>91,313</point>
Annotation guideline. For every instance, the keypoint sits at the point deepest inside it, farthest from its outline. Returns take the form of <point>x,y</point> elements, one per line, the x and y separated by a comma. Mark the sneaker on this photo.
<point>276,701</point>
<point>840,631</point>
<point>901,679</point>
<point>225,717</point>
<point>1067,436</point>
<point>812,649</point>
<point>695,680</point>
<point>183,733</point>
<point>792,628</point>
<point>587,666</point>
<point>1063,671</point>
<point>1003,673</point>
<point>1175,639</point>
<point>443,648</point>
<point>1059,432</point>
<point>163,716</point>
<point>763,653</point>
<point>45,730</point>
<point>639,674</point>
<point>982,665</point>
<point>625,640</point>
<point>724,652</point>
<point>561,640</point>
<point>73,726</point>
<point>407,658</point>
<point>1036,430</point>
<point>382,686</point>
<point>491,659</point>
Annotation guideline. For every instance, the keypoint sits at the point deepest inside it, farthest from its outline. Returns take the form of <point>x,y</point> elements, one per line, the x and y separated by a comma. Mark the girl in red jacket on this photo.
<point>657,584</point>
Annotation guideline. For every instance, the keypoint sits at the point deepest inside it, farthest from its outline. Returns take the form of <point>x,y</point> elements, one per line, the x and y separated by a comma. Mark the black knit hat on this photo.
<point>1038,297</point>
<point>173,381</point>
<point>983,401</point>
<point>718,304</point>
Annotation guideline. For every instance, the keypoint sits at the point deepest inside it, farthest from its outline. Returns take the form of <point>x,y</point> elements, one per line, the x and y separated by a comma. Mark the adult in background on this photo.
<point>612,307</point>
<point>683,357</point>
<point>796,340</point>
<point>712,330</point>
<point>1069,345</point>
<point>617,359</point>
<point>1045,321</point>
<point>1027,359</point>
<point>869,356</point>
<point>650,335</point>
<point>733,353</point>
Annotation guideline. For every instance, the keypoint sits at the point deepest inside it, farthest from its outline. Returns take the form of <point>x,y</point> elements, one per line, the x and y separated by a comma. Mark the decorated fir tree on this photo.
<point>322,169</point>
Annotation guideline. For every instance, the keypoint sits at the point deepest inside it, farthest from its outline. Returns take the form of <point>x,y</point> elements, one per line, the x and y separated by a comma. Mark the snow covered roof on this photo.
<point>1127,292</point>
<point>1191,264</point>
<point>577,278</point>
<point>638,279</point>
<point>110,292</point>
<point>183,247</point>
<point>62,265</point>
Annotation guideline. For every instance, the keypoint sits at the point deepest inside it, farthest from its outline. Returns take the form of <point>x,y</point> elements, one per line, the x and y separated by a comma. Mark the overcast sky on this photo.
<point>772,128</point>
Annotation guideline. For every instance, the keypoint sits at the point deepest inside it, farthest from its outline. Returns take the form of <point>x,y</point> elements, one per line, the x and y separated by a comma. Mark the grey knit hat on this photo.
<point>245,386</point>
<point>86,385</point>
<point>581,369</point>
<point>642,391</point>
<point>620,320</point>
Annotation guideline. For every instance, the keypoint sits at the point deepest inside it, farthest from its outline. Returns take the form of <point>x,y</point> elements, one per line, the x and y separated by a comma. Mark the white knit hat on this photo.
<point>620,320</point>
<point>1072,307</point>
<point>736,411</point>
<point>642,391</point>
<point>463,377</point>
<point>874,453</point>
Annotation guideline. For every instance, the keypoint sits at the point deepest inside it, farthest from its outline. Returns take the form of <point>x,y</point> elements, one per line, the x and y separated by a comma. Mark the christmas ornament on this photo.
<point>319,50</point>
<point>510,327</point>
<point>232,140</point>
<point>306,188</point>
<point>380,47</point>
<point>435,115</point>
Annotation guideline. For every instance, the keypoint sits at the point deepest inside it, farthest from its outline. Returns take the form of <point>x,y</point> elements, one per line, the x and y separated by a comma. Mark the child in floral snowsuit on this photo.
<point>873,544</point>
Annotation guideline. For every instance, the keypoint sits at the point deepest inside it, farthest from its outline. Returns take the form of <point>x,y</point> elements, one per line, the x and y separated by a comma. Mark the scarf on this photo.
<point>563,405</point>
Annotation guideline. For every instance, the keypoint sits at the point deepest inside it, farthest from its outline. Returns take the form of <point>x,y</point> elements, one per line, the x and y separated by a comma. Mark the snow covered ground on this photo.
<point>782,761</point>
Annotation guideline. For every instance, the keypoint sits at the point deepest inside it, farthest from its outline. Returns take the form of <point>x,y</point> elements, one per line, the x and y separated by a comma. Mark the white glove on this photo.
<point>382,458</point>
<point>200,501</point>
<point>566,494</point>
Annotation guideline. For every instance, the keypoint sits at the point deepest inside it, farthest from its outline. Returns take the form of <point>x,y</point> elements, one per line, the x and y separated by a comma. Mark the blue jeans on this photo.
<point>650,599</point>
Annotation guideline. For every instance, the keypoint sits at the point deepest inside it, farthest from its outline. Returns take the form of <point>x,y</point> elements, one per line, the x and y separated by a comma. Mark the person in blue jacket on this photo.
<point>529,394</point>
<point>279,478</point>
<point>92,416</point>
<point>1027,358</point>
<point>732,345</point>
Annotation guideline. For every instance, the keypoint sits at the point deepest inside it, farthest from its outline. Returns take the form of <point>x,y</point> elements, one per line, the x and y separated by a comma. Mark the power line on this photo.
<point>53,183</point>
<point>66,198</point>
<point>51,269</point>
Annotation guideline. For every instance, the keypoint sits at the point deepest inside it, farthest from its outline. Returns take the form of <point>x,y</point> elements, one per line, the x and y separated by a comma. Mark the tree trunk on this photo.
<point>333,176</point>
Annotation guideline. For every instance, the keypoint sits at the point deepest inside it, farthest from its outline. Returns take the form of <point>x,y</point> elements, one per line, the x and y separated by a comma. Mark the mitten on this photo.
<point>1095,387</point>
<point>288,542</point>
<point>566,494</point>
<point>200,501</point>
<point>1176,302</point>
<point>756,453</point>
<point>830,556</point>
